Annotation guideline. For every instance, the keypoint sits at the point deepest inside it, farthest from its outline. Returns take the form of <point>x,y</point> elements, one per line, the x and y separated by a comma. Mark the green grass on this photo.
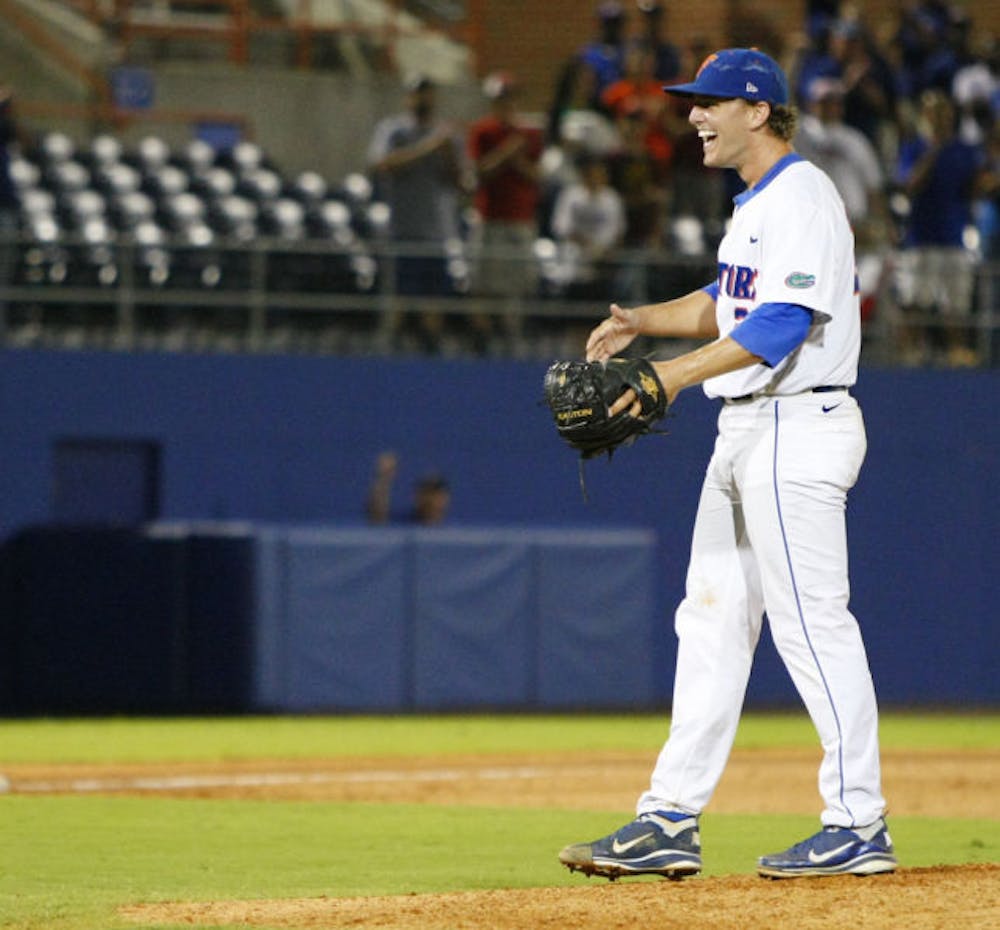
<point>150,740</point>
<point>67,863</point>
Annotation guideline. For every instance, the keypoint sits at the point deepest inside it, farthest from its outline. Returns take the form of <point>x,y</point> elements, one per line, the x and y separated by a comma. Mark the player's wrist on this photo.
<point>638,319</point>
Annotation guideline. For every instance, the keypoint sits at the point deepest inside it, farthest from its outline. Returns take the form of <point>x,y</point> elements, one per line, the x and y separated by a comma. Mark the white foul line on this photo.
<point>278,779</point>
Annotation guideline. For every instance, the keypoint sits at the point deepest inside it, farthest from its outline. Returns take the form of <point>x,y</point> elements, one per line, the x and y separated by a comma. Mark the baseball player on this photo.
<point>784,320</point>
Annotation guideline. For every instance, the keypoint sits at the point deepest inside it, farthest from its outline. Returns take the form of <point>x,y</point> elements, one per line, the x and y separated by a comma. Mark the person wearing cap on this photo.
<point>782,332</point>
<point>417,161</point>
<point>431,495</point>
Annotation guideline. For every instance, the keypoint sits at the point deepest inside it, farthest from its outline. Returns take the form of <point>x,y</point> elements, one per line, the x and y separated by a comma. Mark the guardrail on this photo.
<point>233,24</point>
<point>315,295</point>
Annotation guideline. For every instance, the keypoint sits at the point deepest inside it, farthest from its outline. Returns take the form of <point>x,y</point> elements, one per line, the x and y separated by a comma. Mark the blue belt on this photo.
<point>822,389</point>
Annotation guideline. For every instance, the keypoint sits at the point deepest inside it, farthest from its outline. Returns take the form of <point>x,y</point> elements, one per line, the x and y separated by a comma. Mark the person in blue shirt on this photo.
<point>941,176</point>
<point>603,58</point>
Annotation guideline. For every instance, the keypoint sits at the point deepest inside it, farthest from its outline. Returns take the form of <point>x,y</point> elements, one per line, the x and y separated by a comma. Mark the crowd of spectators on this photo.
<point>901,113</point>
<point>603,195</point>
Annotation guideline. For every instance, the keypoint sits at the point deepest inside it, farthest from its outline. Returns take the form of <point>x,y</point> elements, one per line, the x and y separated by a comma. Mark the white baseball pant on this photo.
<point>770,536</point>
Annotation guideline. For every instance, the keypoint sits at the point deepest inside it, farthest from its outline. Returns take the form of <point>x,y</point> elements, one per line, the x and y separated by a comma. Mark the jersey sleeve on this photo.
<point>712,290</point>
<point>773,331</point>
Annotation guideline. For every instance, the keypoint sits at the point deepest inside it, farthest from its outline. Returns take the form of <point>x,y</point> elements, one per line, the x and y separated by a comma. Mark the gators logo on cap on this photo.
<point>800,280</point>
<point>706,63</point>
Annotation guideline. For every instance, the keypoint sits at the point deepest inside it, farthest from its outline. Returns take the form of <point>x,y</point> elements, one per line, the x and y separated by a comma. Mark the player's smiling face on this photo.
<point>722,127</point>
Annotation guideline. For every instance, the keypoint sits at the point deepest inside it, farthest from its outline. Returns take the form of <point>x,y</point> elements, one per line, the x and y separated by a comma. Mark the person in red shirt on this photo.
<point>506,154</point>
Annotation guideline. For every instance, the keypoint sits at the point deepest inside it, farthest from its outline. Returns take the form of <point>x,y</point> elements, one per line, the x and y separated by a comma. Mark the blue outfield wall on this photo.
<point>286,446</point>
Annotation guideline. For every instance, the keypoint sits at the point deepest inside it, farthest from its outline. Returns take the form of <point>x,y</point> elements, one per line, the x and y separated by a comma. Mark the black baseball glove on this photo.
<point>581,393</point>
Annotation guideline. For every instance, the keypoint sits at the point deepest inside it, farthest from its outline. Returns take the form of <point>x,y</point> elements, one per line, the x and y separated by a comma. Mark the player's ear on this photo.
<point>759,112</point>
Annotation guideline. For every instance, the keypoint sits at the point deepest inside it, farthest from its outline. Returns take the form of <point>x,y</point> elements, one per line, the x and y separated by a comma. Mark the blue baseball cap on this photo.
<point>737,72</point>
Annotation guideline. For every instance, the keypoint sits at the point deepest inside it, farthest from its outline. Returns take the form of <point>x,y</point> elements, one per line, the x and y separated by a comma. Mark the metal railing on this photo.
<point>233,24</point>
<point>316,296</point>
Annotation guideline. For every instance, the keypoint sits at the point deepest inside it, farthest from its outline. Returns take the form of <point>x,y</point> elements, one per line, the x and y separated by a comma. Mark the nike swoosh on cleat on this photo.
<point>619,848</point>
<point>818,858</point>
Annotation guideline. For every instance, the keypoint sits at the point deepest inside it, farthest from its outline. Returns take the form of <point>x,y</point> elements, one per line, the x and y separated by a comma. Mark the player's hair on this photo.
<point>783,121</point>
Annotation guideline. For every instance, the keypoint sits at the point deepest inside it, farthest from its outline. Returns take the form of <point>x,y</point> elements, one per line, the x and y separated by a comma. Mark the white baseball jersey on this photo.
<point>770,533</point>
<point>790,242</point>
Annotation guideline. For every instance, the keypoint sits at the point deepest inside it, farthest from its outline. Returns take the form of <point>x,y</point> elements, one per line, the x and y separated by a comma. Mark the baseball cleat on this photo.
<point>834,851</point>
<point>661,843</point>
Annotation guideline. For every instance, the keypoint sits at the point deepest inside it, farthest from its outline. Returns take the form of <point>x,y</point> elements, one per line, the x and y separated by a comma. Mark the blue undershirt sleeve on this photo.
<point>712,290</point>
<point>773,331</point>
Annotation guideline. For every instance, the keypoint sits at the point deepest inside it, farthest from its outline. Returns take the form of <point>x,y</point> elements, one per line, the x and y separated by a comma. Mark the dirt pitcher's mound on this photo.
<point>918,899</point>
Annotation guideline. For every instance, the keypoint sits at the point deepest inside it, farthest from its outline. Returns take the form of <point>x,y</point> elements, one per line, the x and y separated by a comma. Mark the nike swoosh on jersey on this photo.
<point>617,847</point>
<point>818,858</point>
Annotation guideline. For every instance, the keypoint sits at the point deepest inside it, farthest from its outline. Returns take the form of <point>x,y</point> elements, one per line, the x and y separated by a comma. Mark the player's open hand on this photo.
<point>613,334</point>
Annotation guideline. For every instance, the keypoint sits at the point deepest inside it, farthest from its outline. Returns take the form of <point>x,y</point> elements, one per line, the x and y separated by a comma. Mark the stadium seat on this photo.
<point>234,217</point>
<point>44,258</point>
<point>214,182</point>
<point>93,262</point>
<point>283,218</point>
<point>84,205</point>
<point>105,150</point>
<point>309,188</point>
<point>152,257</point>
<point>152,153</point>
<point>165,180</point>
<point>197,156</point>
<point>246,157</point>
<point>66,176</point>
<point>115,178</point>
<point>182,210</point>
<point>37,202</point>
<point>330,219</point>
<point>192,218</point>
<point>357,189</point>
<point>131,208</point>
<point>56,147</point>
<point>25,174</point>
<point>260,184</point>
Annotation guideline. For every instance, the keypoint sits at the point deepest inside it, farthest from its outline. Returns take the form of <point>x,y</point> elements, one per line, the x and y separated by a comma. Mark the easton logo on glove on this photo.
<point>580,395</point>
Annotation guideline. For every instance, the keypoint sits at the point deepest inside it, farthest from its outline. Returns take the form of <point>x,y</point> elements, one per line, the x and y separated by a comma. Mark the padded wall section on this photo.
<point>597,624</point>
<point>206,618</point>
<point>346,634</point>
<point>475,614</point>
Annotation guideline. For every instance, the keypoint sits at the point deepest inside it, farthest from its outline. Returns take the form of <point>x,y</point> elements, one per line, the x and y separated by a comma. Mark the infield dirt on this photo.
<point>756,781</point>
